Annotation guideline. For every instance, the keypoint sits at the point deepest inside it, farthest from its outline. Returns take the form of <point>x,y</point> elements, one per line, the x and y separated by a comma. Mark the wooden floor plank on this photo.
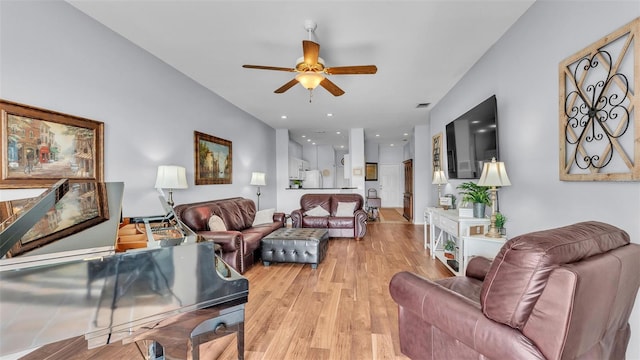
<point>341,310</point>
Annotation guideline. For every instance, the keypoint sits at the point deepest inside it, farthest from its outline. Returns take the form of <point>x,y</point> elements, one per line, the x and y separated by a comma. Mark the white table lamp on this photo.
<point>258,179</point>
<point>494,175</point>
<point>439,179</point>
<point>171,177</point>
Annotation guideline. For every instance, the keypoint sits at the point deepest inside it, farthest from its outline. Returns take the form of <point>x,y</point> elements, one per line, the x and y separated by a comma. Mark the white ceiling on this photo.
<point>421,49</point>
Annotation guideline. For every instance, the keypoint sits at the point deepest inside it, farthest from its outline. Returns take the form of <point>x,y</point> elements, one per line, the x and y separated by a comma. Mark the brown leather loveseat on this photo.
<point>563,293</point>
<point>241,240</point>
<point>351,224</point>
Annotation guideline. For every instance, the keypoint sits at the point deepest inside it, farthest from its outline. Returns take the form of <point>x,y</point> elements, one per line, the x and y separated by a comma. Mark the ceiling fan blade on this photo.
<point>286,86</point>
<point>310,52</point>
<point>260,67</point>
<point>346,70</point>
<point>331,87</point>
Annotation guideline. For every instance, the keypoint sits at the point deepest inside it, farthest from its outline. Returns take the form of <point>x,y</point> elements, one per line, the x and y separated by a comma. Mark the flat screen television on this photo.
<point>472,139</point>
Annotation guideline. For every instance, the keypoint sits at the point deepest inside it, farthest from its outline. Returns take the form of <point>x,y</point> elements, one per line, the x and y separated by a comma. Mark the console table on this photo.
<point>445,225</point>
<point>480,245</point>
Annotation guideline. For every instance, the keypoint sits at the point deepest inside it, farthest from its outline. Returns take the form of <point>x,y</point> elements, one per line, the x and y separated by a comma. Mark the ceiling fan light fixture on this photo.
<point>309,79</point>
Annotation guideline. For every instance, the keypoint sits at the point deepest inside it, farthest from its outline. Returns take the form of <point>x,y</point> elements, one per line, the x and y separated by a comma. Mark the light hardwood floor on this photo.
<point>341,310</point>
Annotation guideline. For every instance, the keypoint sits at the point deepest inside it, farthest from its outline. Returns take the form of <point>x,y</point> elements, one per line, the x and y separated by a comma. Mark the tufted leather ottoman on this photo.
<point>295,245</point>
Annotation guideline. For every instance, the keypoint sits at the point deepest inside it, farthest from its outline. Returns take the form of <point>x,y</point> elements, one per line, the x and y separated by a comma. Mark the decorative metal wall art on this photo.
<point>600,109</point>
<point>436,150</point>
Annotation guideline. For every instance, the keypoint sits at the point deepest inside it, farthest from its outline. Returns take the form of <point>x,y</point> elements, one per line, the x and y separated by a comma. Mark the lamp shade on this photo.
<point>439,178</point>
<point>171,177</point>
<point>258,179</point>
<point>309,79</point>
<point>494,174</point>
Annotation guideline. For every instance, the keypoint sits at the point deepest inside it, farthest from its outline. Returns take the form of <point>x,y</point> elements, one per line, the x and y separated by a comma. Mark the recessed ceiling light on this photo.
<point>341,146</point>
<point>406,134</point>
<point>329,114</point>
<point>283,117</point>
<point>304,136</point>
<point>377,135</point>
<point>391,145</point>
<point>338,132</point>
<point>308,140</point>
<point>313,143</point>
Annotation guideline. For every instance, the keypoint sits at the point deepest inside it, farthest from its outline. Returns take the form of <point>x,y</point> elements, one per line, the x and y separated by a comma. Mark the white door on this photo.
<point>390,185</point>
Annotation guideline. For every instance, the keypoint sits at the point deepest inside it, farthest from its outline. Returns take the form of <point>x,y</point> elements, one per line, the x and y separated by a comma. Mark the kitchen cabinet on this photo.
<point>297,168</point>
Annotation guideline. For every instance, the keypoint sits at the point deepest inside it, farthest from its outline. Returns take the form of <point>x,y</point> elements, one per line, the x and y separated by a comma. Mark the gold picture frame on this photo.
<point>213,159</point>
<point>83,206</point>
<point>371,171</point>
<point>40,147</point>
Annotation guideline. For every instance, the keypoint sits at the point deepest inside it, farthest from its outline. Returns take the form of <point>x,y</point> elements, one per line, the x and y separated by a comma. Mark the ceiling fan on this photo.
<point>311,68</point>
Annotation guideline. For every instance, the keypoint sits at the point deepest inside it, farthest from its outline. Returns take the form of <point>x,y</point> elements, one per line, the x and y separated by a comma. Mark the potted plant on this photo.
<point>449,249</point>
<point>478,195</point>
<point>500,220</point>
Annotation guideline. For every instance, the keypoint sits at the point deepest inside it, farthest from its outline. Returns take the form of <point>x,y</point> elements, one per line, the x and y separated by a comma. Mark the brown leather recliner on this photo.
<point>563,293</point>
<point>241,241</point>
<point>354,225</point>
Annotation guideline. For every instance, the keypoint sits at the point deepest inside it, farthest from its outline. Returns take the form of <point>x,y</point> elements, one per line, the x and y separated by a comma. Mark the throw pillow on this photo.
<point>263,217</point>
<point>345,208</point>
<point>317,211</point>
<point>216,224</point>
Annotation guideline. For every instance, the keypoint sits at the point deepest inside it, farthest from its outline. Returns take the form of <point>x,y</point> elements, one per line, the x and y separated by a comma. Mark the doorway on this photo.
<point>407,196</point>
<point>389,182</point>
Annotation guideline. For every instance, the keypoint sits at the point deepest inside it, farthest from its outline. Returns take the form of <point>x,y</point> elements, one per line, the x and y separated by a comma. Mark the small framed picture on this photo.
<point>445,201</point>
<point>371,171</point>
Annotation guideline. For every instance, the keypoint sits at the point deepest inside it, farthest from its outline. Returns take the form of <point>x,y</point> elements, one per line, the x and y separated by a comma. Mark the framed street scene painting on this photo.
<point>84,205</point>
<point>42,146</point>
<point>213,159</point>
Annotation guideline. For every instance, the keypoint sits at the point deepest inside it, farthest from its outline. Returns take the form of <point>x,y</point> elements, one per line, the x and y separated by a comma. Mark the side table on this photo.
<point>480,245</point>
<point>447,226</point>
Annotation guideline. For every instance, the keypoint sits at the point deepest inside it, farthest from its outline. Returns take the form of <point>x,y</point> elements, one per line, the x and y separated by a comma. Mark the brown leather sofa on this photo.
<point>563,293</point>
<point>354,226</point>
<point>241,242</point>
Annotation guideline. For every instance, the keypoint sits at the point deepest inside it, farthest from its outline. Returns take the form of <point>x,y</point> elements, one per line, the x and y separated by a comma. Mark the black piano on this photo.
<point>168,298</point>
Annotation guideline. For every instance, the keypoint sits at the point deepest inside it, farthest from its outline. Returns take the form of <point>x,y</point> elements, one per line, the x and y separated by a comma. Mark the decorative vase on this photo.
<point>478,210</point>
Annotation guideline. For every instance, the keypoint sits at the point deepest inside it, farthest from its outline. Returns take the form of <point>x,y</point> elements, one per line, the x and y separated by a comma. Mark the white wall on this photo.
<point>55,57</point>
<point>340,180</point>
<point>356,155</point>
<point>522,70</point>
<point>295,149</point>
<point>322,157</point>
<point>423,194</point>
<point>327,164</point>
